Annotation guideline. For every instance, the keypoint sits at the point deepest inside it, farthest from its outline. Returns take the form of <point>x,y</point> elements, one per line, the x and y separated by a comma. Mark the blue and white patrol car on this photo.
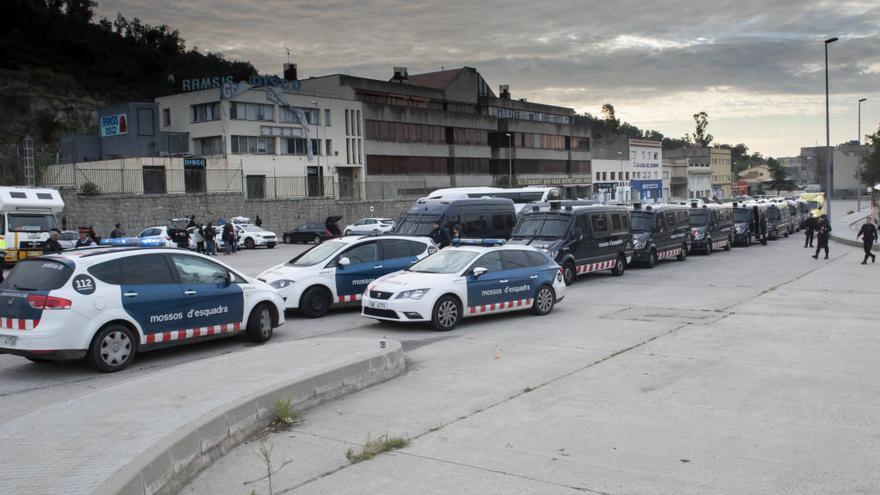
<point>475,278</point>
<point>338,271</point>
<point>109,303</point>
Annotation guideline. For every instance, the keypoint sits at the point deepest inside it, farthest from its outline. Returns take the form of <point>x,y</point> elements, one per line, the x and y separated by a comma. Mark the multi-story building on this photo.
<point>647,183</point>
<point>718,160</point>
<point>627,169</point>
<point>448,128</point>
<point>848,162</point>
<point>677,169</point>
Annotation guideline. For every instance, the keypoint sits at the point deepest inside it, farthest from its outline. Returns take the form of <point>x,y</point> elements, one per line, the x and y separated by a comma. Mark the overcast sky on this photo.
<point>756,66</point>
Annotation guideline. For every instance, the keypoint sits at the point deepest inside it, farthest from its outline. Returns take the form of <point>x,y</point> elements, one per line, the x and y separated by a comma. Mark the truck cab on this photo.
<point>26,217</point>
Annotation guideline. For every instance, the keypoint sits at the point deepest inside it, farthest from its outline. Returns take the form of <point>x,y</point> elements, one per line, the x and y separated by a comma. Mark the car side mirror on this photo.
<point>344,261</point>
<point>479,271</point>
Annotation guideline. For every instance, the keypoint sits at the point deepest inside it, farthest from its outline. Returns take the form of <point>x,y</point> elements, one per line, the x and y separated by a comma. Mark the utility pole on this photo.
<point>860,119</point>
<point>829,160</point>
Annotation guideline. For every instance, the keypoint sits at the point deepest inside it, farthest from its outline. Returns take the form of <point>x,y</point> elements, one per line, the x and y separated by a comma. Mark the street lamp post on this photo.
<point>829,165</point>
<point>509,159</point>
<point>620,177</point>
<point>860,119</point>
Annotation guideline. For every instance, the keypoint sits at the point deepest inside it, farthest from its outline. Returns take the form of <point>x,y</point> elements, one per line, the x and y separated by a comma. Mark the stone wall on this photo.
<point>136,213</point>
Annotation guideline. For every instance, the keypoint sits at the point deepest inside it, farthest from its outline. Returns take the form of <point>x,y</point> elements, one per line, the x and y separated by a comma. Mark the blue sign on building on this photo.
<point>647,189</point>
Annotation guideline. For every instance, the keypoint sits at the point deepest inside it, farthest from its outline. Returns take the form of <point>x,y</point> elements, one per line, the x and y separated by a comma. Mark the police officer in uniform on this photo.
<point>52,245</point>
<point>440,236</point>
<point>822,234</point>
<point>868,233</point>
<point>809,229</point>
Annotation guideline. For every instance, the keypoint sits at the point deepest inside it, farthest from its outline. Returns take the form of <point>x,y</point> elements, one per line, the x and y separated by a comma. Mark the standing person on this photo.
<point>199,238</point>
<point>85,240</point>
<point>809,229</point>
<point>192,221</point>
<point>181,238</point>
<point>210,235</point>
<point>117,232</point>
<point>756,223</point>
<point>52,245</point>
<point>228,238</point>
<point>762,227</point>
<point>823,231</point>
<point>258,222</point>
<point>868,233</point>
<point>439,236</point>
<point>3,255</point>
<point>94,235</point>
<point>456,232</point>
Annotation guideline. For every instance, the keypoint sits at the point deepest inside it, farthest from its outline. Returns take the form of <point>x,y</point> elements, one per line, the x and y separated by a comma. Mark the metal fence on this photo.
<point>161,180</point>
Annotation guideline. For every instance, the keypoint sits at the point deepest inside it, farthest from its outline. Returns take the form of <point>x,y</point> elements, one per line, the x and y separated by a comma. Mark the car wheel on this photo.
<point>619,267</point>
<point>317,239</point>
<point>259,323</point>
<point>446,313</point>
<point>729,243</point>
<point>315,302</point>
<point>652,259</point>
<point>708,247</point>
<point>249,243</point>
<point>286,239</point>
<point>748,240</point>
<point>347,232</point>
<point>270,245</point>
<point>113,348</point>
<point>569,273</point>
<point>544,301</point>
<point>684,253</point>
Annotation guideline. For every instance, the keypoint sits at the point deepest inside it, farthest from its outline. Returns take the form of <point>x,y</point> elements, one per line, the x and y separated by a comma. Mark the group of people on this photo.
<point>820,228</point>
<point>205,236</point>
<point>443,237</point>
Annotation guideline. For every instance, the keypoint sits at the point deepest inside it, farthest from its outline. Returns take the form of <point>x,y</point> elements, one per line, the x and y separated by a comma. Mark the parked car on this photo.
<point>251,236</point>
<point>68,239</point>
<point>313,232</point>
<point>370,226</point>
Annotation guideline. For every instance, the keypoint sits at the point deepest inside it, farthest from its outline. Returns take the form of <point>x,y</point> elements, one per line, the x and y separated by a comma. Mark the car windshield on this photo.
<point>641,221</point>
<point>252,228</point>
<point>31,223</point>
<point>37,274</point>
<point>446,261</point>
<point>542,225</point>
<point>699,217</point>
<point>772,214</point>
<point>317,254</point>
<point>814,205</point>
<point>741,216</point>
<point>417,224</point>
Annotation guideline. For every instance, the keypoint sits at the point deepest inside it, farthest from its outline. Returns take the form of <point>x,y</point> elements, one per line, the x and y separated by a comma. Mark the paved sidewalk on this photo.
<point>101,441</point>
<point>845,227</point>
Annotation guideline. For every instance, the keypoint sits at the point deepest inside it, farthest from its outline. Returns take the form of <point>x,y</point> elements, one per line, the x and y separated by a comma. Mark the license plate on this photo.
<point>9,340</point>
<point>376,305</point>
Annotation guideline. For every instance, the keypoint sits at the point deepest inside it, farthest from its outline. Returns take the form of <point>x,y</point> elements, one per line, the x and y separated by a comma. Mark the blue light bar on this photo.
<point>133,241</point>
<point>479,242</point>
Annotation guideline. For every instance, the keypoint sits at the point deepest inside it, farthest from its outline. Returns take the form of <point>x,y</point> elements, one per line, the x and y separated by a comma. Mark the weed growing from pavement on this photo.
<point>265,455</point>
<point>285,416</point>
<point>375,446</point>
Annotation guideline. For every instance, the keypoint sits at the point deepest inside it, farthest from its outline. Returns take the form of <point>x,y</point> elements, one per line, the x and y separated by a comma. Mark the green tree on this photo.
<point>780,180</point>
<point>701,137</point>
<point>871,165</point>
<point>611,120</point>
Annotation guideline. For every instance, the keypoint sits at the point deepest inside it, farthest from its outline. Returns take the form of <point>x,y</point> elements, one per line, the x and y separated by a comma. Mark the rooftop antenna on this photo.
<point>288,54</point>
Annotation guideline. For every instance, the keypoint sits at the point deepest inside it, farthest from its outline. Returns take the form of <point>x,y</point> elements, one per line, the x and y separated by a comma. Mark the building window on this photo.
<point>613,174</point>
<point>145,121</point>
<point>580,143</point>
<point>166,117</point>
<point>253,145</point>
<point>206,146</point>
<point>329,147</point>
<point>358,122</point>
<point>288,116</point>
<point>327,118</point>
<point>206,112</point>
<point>194,180</point>
<point>627,176</point>
<point>347,128</point>
<point>294,146</point>
<point>251,111</point>
<point>316,147</point>
<point>154,180</point>
<point>542,141</point>
<point>406,133</point>
<point>359,159</point>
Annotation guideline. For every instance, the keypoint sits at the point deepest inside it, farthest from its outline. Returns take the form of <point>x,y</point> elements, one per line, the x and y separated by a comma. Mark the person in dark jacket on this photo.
<point>228,238</point>
<point>762,228</point>
<point>192,222</point>
<point>210,235</point>
<point>456,232</point>
<point>440,236</point>
<point>258,222</point>
<point>117,232</point>
<point>809,229</point>
<point>52,245</point>
<point>94,235</point>
<point>868,233</point>
<point>823,232</point>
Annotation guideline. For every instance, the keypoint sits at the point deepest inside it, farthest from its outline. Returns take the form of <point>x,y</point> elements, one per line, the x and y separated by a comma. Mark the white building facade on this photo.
<point>646,157</point>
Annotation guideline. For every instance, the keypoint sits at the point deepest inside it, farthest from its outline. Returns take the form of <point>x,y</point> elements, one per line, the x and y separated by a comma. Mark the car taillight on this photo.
<point>48,302</point>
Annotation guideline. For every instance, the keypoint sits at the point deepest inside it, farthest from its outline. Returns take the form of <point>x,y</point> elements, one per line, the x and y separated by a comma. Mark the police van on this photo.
<point>711,227</point>
<point>337,272</point>
<point>472,278</point>
<point>582,239</point>
<point>742,224</point>
<point>660,232</point>
<point>108,304</point>
<point>27,215</point>
<point>778,221</point>
<point>477,218</point>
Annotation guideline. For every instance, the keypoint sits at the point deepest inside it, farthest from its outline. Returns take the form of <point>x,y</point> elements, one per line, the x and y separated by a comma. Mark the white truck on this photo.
<point>26,217</point>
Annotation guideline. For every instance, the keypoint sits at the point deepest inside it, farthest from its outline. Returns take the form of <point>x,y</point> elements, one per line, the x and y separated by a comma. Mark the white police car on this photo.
<point>473,279</point>
<point>338,271</point>
<point>109,303</point>
<point>251,236</point>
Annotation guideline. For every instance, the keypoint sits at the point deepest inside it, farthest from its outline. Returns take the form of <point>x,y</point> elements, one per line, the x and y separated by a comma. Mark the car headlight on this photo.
<point>412,294</point>
<point>281,284</point>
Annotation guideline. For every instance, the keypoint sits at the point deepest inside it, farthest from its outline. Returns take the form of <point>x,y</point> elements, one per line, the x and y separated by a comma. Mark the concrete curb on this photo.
<point>170,463</point>
<point>853,242</point>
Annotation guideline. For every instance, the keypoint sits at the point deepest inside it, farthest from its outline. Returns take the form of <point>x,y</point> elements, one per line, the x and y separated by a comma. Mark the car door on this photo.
<point>214,300</point>
<point>595,249</point>
<point>397,254</point>
<point>352,279</point>
<point>486,292</point>
<point>521,278</point>
<point>151,296</point>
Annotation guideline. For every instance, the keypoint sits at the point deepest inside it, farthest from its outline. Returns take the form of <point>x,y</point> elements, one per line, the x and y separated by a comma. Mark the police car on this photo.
<point>475,278</point>
<point>337,272</point>
<point>109,303</point>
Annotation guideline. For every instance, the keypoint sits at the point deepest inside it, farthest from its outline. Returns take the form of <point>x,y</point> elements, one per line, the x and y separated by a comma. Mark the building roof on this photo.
<point>437,80</point>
